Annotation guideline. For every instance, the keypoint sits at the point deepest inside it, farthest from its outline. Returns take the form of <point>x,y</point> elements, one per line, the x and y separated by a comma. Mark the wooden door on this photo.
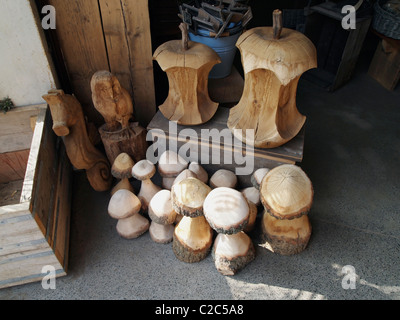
<point>109,35</point>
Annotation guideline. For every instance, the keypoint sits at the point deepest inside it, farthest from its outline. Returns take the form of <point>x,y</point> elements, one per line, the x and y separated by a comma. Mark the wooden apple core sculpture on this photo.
<point>273,60</point>
<point>187,65</point>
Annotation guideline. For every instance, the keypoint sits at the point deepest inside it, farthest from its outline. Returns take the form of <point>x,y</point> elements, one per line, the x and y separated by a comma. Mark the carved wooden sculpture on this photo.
<point>187,65</point>
<point>114,103</point>
<point>273,60</point>
<point>287,194</point>
<point>111,100</point>
<point>69,123</point>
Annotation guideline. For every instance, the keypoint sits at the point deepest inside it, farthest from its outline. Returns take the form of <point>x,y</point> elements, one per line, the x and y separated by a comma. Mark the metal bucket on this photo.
<point>225,47</point>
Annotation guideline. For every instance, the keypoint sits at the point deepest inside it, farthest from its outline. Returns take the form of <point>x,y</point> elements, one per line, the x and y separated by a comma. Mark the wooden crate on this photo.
<point>337,49</point>
<point>34,232</point>
<point>159,127</point>
<point>385,66</point>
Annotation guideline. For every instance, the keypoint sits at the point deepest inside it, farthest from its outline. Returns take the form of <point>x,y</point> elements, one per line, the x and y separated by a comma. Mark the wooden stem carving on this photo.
<point>187,68</point>
<point>277,23</point>
<point>69,123</point>
<point>273,60</point>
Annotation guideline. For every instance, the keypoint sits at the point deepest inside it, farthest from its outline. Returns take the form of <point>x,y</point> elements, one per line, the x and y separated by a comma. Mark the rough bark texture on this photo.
<point>186,254</point>
<point>272,69</point>
<point>131,140</point>
<point>230,266</point>
<point>285,244</point>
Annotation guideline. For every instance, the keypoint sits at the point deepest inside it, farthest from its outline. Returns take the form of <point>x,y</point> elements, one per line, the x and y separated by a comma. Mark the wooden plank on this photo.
<point>13,165</point>
<point>41,171</point>
<point>59,235</point>
<point>137,24</point>
<point>15,128</point>
<point>351,52</point>
<point>31,172</point>
<point>28,267</point>
<point>292,151</point>
<point>23,250</point>
<point>80,34</point>
<point>385,65</point>
<point>202,148</point>
<point>115,34</point>
<point>18,232</point>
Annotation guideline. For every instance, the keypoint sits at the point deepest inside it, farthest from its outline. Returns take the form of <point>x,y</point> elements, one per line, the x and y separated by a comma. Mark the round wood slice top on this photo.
<point>122,166</point>
<point>160,208</point>
<point>223,178</point>
<point>201,173</point>
<point>226,210</point>
<point>188,197</point>
<point>143,170</point>
<point>288,57</point>
<point>171,164</point>
<point>123,204</point>
<point>286,192</point>
<point>258,175</point>
<point>170,55</point>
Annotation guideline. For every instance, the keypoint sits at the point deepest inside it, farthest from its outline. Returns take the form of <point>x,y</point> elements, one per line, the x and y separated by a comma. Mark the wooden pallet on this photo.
<point>201,148</point>
<point>35,231</point>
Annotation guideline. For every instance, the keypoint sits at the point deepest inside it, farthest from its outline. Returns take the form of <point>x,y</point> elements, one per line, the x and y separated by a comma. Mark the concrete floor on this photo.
<point>352,156</point>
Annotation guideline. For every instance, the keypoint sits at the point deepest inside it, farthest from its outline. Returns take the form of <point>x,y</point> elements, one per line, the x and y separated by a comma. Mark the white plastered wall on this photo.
<point>25,68</point>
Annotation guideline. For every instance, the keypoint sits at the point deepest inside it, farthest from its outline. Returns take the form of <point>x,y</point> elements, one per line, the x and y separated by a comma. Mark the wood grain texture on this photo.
<point>69,123</point>
<point>204,148</point>
<point>15,128</point>
<point>80,34</point>
<point>137,28</point>
<point>35,231</point>
<point>272,70</point>
<point>385,65</point>
<point>188,101</point>
<point>13,165</point>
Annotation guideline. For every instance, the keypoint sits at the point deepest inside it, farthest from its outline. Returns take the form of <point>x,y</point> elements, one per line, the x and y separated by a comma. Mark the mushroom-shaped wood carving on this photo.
<point>286,193</point>
<point>227,211</point>
<point>192,237</point>
<point>122,169</point>
<point>163,217</point>
<point>170,165</point>
<point>223,178</point>
<point>144,170</point>
<point>257,177</point>
<point>188,102</point>
<point>125,207</point>
<point>272,65</point>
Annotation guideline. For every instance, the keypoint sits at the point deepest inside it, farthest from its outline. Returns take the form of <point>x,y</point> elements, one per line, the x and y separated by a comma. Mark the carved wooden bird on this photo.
<point>111,100</point>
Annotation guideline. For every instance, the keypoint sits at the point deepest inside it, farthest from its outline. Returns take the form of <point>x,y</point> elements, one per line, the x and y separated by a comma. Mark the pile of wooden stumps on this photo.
<point>219,17</point>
